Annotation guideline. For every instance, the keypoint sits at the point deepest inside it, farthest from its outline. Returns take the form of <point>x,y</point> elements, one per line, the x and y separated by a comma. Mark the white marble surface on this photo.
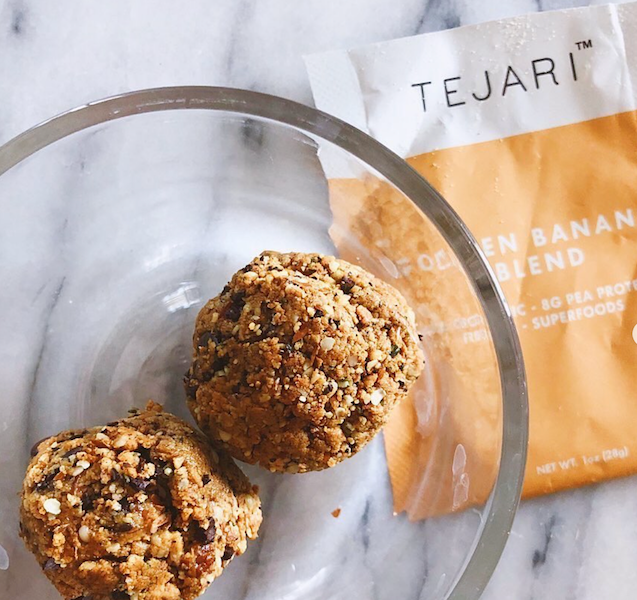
<point>55,55</point>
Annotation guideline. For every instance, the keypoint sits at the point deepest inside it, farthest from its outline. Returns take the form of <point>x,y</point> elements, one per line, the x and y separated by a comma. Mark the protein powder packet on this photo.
<point>528,127</point>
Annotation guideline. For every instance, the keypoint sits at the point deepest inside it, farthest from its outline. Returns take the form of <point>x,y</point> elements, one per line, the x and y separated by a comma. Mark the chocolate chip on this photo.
<point>191,387</point>
<point>34,448</point>
<point>139,484</point>
<point>145,454</point>
<point>347,283</point>
<point>125,504</point>
<point>162,490</point>
<point>220,363</point>
<point>228,553</point>
<point>204,338</point>
<point>210,336</point>
<point>112,424</point>
<point>72,452</point>
<point>116,476</point>
<point>420,337</point>
<point>88,500</point>
<point>45,482</point>
<point>233,310</point>
<point>50,565</point>
<point>116,559</point>
<point>401,385</point>
<point>394,350</point>
<point>205,536</point>
<point>122,527</point>
<point>318,313</point>
<point>205,479</point>
<point>211,531</point>
<point>160,464</point>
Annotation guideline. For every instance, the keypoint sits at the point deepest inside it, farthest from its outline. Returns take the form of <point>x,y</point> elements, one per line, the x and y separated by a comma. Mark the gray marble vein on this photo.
<point>579,545</point>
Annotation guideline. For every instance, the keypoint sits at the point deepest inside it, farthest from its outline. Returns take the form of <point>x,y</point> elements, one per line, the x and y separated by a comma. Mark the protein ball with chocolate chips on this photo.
<point>143,508</point>
<point>299,361</point>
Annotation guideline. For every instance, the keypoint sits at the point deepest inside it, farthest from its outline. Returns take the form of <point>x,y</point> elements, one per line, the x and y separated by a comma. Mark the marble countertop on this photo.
<point>56,55</point>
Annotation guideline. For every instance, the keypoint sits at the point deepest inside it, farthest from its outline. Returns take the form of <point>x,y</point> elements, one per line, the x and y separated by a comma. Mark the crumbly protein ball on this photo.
<point>299,361</point>
<point>143,508</point>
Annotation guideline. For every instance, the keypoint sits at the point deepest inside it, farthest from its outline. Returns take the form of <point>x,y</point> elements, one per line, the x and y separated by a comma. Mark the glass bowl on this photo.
<point>120,218</point>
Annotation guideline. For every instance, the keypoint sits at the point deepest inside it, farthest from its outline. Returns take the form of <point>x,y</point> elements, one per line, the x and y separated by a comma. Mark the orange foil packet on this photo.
<point>528,127</point>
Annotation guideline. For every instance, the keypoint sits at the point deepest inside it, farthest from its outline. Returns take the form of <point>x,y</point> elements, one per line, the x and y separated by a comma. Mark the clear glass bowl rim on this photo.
<point>501,507</point>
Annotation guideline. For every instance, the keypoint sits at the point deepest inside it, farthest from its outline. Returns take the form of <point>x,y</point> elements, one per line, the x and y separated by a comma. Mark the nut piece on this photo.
<point>377,396</point>
<point>52,506</point>
<point>84,533</point>
<point>327,343</point>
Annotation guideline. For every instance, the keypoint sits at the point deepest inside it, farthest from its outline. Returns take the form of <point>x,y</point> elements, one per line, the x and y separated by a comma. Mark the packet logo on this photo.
<point>543,73</point>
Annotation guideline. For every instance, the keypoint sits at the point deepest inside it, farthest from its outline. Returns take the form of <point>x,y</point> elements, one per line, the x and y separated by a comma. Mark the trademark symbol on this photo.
<point>584,44</point>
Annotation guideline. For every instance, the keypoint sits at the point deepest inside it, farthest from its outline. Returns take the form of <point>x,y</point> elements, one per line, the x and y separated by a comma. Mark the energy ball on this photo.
<point>299,361</point>
<point>143,508</point>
